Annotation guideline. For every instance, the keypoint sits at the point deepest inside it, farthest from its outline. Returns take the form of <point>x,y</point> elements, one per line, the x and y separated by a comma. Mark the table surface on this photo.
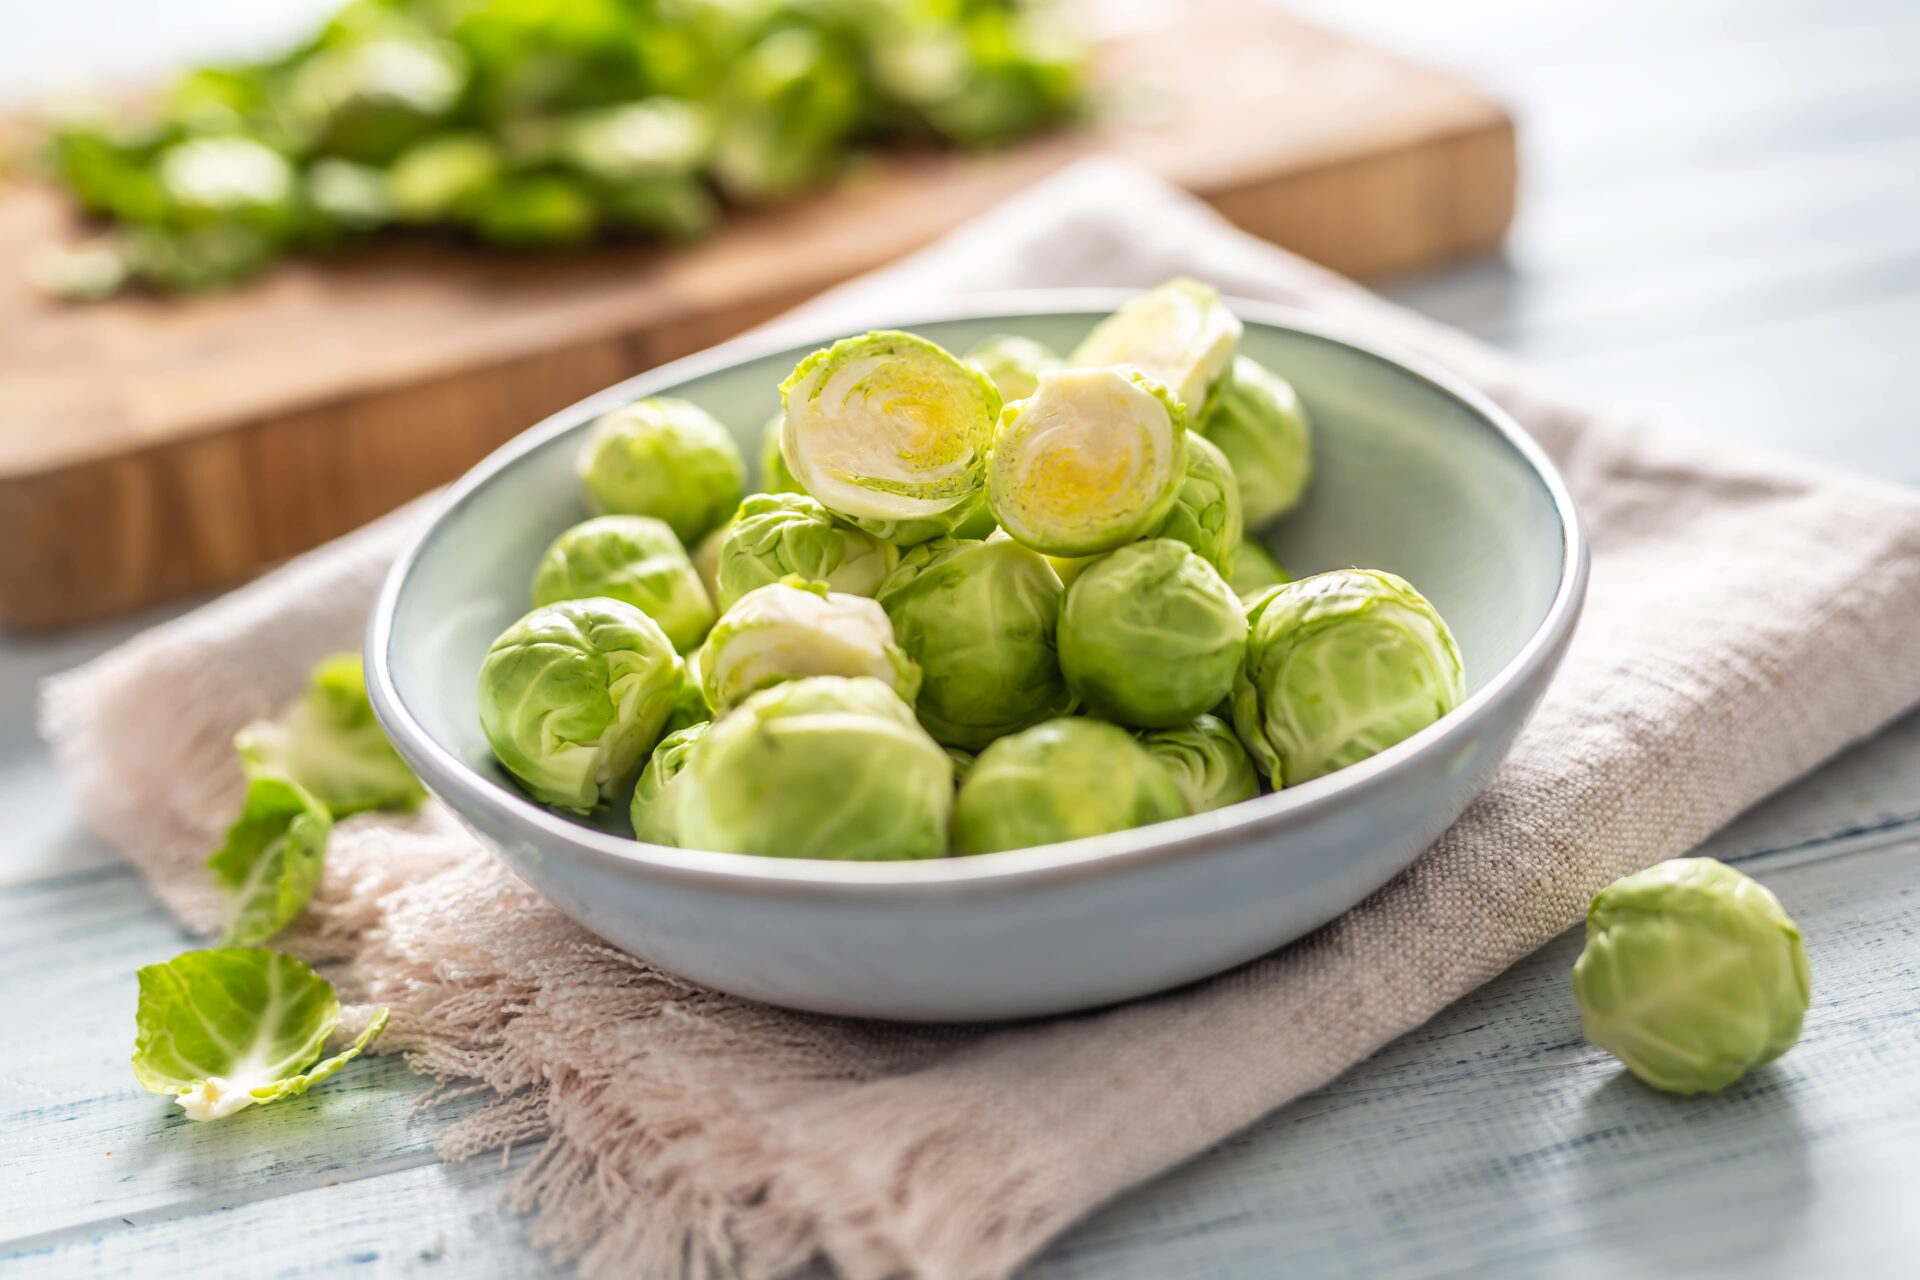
<point>1721,224</point>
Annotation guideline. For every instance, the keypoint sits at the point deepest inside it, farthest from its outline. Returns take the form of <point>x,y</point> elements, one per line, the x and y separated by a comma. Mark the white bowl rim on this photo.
<point>1265,818</point>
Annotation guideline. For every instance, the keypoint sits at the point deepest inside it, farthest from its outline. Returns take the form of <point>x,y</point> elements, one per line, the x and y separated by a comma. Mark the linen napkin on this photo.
<point>1749,616</point>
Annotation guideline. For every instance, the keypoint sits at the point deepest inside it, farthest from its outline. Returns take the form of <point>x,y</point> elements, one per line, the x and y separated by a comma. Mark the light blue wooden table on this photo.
<point>1722,223</point>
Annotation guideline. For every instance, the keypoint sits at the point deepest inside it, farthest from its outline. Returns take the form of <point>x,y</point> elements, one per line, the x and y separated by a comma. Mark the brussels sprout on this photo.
<point>982,74</point>
<point>1151,635</point>
<point>271,860</point>
<point>227,179</point>
<point>797,628</point>
<point>690,702</point>
<point>664,458</point>
<point>367,99</point>
<point>962,763</point>
<point>654,794</point>
<point>1206,508</point>
<point>1254,570</point>
<point>889,432</point>
<point>632,558</point>
<point>774,535</point>
<point>980,619</point>
<point>1061,780</point>
<point>775,477</point>
<point>1014,363</point>
<point>445,177</point>
<point>824,767</point>
<point>706,559</point>
<point>1206,762</point>
<point>651,138</point>
<point>1340,666</point>
<point>537,211</point>
<point>789,104</point>
<point>1257,421</point>
<point>1692,975</point>
<point>1091,461</point>
<point>329,743</point>
<point>348,196</point>
<point>574,694</point>
<point>1179,334</point>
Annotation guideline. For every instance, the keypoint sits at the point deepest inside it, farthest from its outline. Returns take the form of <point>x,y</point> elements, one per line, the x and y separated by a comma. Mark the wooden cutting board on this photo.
<point>152,447</point>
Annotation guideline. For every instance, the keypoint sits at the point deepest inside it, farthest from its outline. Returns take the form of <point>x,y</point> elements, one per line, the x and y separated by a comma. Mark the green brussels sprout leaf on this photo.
<point>1179,334</point>
<point>774,535</point>
<point>271,860</point>
<point>330,744</point>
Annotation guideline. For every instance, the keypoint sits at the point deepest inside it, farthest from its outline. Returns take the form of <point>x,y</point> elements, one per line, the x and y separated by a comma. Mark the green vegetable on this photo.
<point>537,211</point>
<point>823,767</point>
<point>980,619</point>
<point>1258,423</point>
<point>706,559</point>
<point>982,72</point>
<point>223,1030</point>
<point>1014,363</point>
<point>573,695</point>
<point>774,535</point>
<point>1206,761</point>
<point>774,475</point>
<point>1061,780</point>
<point>1254,570</point>
<point>1692,975</point>
<point>1206,508</point>
<point>796,628</point>
<point>1341,666</point>
<point>445,178</point>
<point>271,860</point>
<point>791,103</point>
<point>632,558</point>
<point>1151,635</point>
<point>654,819</point>
<point>667,459</point>
<point>330,744</point>
<point>1179,334</point>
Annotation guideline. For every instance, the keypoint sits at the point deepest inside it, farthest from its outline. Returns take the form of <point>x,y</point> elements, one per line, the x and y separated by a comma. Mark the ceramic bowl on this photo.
<point>1414,473</point>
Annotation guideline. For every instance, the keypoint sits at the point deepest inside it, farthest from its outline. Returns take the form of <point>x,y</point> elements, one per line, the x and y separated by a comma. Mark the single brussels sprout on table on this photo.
<point>1255,569</point>
<point>822,767</point>
<point>573,695</point>
<point>1151,635</point>
<point>330,744</point>
<point>1341,666</point>
<point>1179,334</point>
<point>635,559</point>
<point>775,476</point>
<point>1092,460</point>
<point>1013,363</point>
<point>796,628</point>
<point>1061,780</point>
<point>774,535</point>
<point>1257,422</point>
<point>653,796</point>
<point>1692,975</point>
<point>667,459</point>
<point>980,620</point>
<point>890,433</point>
<point>1206,508</point>
<point>1206,761</point>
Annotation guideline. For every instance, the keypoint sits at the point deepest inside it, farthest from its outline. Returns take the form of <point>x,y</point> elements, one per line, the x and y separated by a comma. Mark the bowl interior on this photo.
<point>1408,478</point>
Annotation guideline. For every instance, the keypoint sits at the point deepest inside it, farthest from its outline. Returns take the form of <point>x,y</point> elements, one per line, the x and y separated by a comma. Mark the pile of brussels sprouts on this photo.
<point>986,603</point>
<point>533,123</point>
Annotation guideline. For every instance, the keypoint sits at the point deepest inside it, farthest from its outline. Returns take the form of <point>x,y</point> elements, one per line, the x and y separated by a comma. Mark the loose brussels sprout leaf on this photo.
<point>1340,666</point>
<point>667,459</point>
<point>775,477</point>
<point>632,558</point>
<point>1179,334</point>
<point>1206,508</point>
<point>1061,780</point>
<point>889,432</point>
<point>1206,761</point>
<point>271,860</point>
<point>1091,461</point>
<point>1254,570</point>
<point>653,797</point>
<point>574,694</point>
<point>823,767</point>
<point>330,743</point>
<point>1151,635</point>
<point>445,177</point>
<point>1692,975</point>
<point>1257,421</point>
<point>223,1030</point>
<point>774,535</point>
<point>980,619</point>
<point>797,628</point>
<point>1014,363</point>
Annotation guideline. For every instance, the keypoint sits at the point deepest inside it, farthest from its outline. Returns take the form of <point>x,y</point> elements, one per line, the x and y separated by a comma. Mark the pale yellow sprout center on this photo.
<point>1088,447</point>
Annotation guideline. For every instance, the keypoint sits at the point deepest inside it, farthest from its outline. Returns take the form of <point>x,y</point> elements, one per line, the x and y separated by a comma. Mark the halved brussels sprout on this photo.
<point>654,795</point>
<point>1091,461</point>
<point>796,628</point>
<point>774,535</point>
<point>1151,635</point>
<point>889,432</point>
<point>1179,334</point>
<point>664,458</point>
<point>1061,780</point>
<point>1206,761</point>
<point>1255,569</point>
<point>574,694</point>
<point>1340,666</point>
<point>980,619</point>
<point>1692,975</point>
<point>632,558</point>
<point>1258,423</point>
<point>1206,508</point>
<point>775,477</point>
<point>1014,363</point>
<point>822,767</point>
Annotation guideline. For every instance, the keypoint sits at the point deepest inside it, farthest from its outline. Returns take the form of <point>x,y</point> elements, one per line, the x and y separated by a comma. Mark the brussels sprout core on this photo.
<point>796,628</point>
<point>664,458</point>
<point>632,558</point>
<point>1179,334</point>
<point>1060,781</point>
